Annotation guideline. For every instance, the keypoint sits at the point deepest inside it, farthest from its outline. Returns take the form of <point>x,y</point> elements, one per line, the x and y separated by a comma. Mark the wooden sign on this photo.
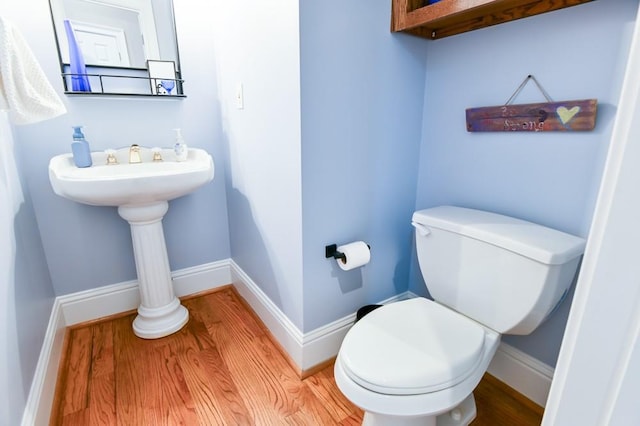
<point>543,117</point>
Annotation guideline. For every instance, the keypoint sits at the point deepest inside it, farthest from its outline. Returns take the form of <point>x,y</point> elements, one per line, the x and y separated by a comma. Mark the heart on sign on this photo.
<point>567,114</point>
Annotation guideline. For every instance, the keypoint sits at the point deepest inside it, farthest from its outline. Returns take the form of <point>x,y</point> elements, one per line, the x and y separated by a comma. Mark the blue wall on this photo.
<point>550,178</point>
<point>26,292</point>
<point>53,246</point>
<point>381,131</point>
<point>361,103</point>
<point>255,45</point>
<point>89,247</point>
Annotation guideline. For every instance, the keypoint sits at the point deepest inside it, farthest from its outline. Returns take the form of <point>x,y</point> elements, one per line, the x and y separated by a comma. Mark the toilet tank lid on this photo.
<point>528,239</point>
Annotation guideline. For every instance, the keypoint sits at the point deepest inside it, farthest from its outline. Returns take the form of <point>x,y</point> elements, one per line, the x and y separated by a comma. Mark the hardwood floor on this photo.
<point>221,369</point>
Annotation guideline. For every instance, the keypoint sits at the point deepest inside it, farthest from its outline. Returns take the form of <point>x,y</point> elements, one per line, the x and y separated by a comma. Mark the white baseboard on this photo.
<point>116,298</point>
<point>40,398</point>
<point>97,303</point>
<point>306,350</point>
<point>527,375</point>
<point>281,327</point>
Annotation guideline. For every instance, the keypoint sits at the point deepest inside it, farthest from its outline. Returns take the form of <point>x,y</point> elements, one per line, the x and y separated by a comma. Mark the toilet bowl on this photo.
<point>410,361</point>
<point>417,361</point>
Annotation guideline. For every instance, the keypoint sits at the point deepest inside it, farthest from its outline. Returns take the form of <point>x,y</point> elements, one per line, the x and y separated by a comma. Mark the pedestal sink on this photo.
<point>141,192</point>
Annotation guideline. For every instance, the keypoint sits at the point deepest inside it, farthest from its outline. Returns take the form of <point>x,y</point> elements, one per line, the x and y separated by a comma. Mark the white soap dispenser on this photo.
<point>180,148</point>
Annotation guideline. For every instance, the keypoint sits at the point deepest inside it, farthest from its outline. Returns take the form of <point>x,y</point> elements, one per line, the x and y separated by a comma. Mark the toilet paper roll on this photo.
<point>357,254</point>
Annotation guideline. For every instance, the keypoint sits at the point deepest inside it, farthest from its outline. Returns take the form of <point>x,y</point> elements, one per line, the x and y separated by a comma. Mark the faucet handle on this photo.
<point>111,156</point>
<point>157,156</point>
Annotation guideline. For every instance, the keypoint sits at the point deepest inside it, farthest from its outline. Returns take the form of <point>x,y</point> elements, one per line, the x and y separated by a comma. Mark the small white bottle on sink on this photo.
<point>180,148</point>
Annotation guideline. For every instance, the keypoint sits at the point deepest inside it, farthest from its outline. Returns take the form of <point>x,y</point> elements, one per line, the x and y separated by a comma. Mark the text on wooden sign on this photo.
<point>541,117</point>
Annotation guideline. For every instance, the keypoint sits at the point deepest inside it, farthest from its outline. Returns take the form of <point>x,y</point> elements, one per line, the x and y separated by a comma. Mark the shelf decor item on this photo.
<point>577,115</point>
<point>162,76</point>
<point>78,75</point>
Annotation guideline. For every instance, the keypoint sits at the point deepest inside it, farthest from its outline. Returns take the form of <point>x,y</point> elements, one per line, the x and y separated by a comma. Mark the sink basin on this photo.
<point>130,184</point>
<point>142,192</point>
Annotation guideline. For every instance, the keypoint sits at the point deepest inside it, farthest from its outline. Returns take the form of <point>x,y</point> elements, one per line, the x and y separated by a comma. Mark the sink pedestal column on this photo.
<point>160,312</point>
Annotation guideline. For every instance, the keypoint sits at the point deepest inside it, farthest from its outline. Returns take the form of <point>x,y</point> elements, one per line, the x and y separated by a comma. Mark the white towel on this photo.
<point>24,88</point>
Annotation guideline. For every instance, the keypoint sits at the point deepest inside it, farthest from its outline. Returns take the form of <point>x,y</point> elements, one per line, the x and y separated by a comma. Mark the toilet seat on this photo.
<point>415,346</point>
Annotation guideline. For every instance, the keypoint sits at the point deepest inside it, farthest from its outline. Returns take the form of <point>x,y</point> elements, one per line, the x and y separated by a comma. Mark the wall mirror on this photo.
<point>107,46</point>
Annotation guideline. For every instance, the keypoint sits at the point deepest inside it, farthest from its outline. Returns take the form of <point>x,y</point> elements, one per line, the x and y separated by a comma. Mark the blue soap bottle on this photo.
<point>80,148</point>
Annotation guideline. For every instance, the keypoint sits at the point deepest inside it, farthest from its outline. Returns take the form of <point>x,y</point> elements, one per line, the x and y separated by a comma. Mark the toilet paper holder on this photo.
<point>332,251</point>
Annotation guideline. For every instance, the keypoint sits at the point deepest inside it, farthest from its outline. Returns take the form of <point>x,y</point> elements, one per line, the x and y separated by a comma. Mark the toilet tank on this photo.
<point>505,273</point>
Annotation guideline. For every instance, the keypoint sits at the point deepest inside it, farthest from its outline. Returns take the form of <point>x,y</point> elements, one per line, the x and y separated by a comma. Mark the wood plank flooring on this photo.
<point>222,368</point>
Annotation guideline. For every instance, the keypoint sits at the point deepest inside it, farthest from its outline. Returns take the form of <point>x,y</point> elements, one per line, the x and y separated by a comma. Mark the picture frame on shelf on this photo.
<point>162,77</point>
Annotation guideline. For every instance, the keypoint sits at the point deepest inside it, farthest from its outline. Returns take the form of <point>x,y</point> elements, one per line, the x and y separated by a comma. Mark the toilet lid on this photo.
<point>412,347</point>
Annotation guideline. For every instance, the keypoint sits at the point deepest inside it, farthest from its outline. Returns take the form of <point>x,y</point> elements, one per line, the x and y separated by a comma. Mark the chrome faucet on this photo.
<point>134,154</point>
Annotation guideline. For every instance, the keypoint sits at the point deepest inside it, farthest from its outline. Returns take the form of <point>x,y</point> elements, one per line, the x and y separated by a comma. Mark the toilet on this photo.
<point>417,361</point>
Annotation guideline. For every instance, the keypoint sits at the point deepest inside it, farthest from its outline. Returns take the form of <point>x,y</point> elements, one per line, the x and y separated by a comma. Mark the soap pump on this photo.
<point>80,148</point>
<point>180,148</point>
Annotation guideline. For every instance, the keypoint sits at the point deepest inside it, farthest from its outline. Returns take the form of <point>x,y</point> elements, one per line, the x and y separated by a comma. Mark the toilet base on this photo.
<point>460,415</point>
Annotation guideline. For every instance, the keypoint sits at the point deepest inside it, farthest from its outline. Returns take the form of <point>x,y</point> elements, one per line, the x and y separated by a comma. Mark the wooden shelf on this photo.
<point>450,17</point>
